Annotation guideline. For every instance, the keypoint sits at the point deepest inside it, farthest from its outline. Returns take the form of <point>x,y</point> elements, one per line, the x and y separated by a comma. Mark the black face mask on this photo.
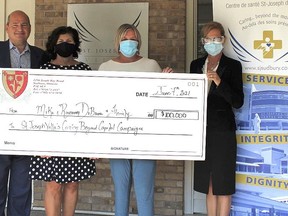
<point>65,49</point>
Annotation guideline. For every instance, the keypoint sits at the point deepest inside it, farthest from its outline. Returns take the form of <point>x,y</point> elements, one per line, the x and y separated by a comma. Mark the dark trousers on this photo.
<point>18,189</point>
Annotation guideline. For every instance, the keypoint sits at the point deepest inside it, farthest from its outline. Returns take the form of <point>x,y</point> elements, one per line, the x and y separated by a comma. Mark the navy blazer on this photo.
<point>228,95</point>
<point>38,56</point>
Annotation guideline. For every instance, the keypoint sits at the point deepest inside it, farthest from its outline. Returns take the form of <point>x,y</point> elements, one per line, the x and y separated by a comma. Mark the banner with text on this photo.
<point>256,34</point>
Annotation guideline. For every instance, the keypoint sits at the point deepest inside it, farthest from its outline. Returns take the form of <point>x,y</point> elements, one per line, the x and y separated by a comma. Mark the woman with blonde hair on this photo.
<point>216,175</point>
<point>137,171</point>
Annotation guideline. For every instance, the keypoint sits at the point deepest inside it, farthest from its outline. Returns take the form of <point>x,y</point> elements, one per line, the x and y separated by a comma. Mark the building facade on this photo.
<point>172,42</point>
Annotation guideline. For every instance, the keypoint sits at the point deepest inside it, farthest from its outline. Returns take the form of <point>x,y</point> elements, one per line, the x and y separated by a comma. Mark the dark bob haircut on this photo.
<point>53,38</point>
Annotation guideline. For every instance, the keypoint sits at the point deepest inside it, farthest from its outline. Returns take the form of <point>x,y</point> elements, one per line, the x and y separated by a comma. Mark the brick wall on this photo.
<point>167,46</point>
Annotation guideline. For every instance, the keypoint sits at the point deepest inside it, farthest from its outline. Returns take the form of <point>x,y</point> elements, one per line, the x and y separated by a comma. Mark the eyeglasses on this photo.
<point>212,40</point>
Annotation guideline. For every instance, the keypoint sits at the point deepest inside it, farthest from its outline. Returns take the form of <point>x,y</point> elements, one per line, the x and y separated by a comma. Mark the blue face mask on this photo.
<point>128,47</point>
<point>213,49</point>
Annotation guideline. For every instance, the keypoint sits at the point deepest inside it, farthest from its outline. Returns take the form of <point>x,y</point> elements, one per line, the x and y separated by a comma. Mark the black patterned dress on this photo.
<point>62,169</point>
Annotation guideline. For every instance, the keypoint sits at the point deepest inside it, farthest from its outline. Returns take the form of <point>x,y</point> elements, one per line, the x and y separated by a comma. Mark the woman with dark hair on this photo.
<point>62,174</point>
<point>54,37</point>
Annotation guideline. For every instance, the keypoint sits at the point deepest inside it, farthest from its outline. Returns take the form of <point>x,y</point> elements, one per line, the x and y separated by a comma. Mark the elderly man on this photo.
<point>17,53</point>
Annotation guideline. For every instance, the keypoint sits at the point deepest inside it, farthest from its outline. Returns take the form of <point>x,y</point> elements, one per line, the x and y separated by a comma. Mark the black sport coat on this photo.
<point>38,56</point>
<point>228,95</point>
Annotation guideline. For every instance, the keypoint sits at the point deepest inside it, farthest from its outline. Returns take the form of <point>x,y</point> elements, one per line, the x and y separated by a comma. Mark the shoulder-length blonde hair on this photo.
<point>121,31</point>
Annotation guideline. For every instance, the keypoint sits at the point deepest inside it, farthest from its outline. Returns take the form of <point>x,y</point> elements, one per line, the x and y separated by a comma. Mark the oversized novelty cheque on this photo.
<point>103,114</point>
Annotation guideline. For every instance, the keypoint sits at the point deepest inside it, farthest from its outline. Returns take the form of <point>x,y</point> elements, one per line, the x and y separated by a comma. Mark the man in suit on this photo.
<point>17,53</point>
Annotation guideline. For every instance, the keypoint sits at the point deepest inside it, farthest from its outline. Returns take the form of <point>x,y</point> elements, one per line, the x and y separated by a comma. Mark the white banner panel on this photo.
<point>257,36</point>
<point>103,114</point>
<point>97,24</point>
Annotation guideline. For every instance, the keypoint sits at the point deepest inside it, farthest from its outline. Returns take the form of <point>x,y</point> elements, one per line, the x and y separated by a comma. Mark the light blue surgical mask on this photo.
<point>128,48</point>
<point>213,49</point>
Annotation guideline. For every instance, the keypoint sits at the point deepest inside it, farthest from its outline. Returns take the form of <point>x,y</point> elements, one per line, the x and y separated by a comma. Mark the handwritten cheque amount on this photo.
<point>103,114</point>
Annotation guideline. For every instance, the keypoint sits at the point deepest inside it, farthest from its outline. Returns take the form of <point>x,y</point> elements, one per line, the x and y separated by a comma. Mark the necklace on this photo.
<point>212,65</point>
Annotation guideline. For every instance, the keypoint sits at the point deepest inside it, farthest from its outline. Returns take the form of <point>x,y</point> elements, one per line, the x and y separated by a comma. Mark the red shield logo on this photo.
<point>15,82</point>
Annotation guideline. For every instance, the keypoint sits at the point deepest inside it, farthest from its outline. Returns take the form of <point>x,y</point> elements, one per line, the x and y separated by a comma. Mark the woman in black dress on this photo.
<point>216,175</point>
<point>62,174</point>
